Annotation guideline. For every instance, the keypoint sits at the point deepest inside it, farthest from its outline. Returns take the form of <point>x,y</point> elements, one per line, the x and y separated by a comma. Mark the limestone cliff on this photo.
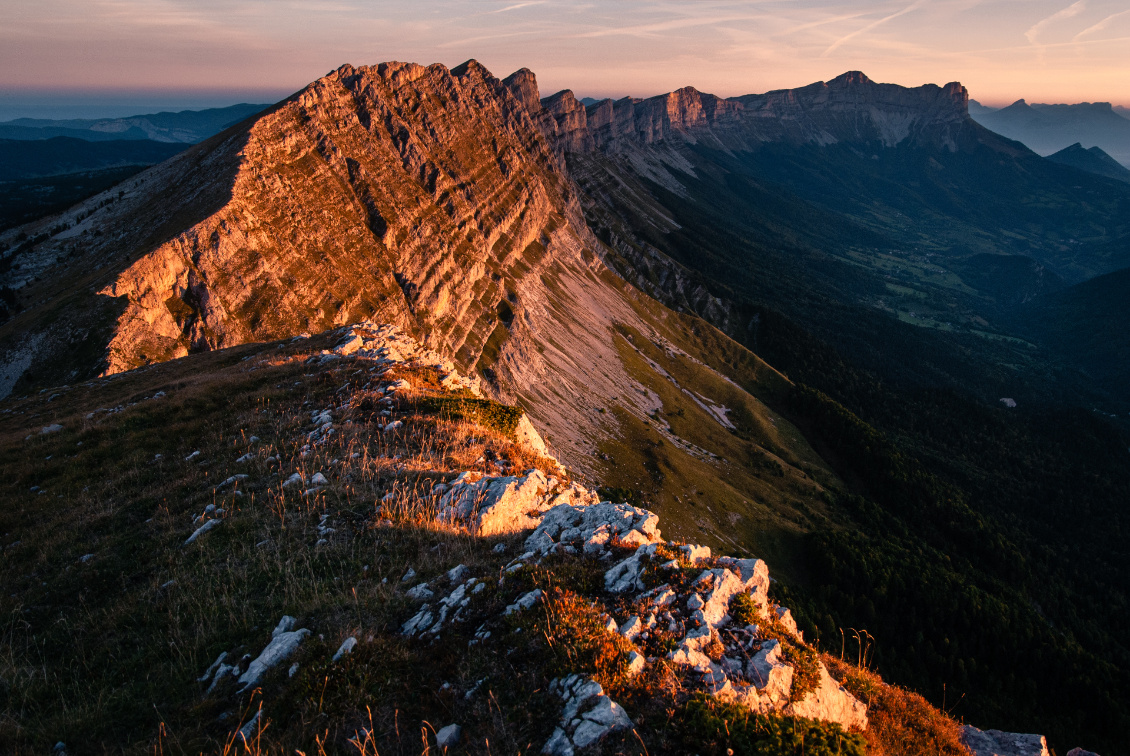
<point>422,196</point>
<point>850,108</point>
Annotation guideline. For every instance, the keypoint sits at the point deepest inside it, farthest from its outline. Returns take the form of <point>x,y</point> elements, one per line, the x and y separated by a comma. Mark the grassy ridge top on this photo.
<point>112,617</point>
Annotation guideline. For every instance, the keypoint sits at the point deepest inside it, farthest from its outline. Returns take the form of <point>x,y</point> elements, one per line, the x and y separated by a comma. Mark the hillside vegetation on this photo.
<point>120,596</point>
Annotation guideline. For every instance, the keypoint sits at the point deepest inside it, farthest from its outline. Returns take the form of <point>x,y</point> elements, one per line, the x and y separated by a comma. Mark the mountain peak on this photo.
<point>524,85</point>
<point>851,78</point>
<point>469,66</point>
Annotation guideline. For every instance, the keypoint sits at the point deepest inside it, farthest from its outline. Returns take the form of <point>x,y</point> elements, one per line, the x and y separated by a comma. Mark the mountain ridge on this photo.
<point>809,114</point>
<point>186,126</point>
<point>453,205</point>
<point>1050,128</point>
<point>1092,160</point>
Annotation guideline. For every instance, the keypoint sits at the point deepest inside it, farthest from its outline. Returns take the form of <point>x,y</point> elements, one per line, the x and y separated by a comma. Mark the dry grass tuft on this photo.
<point>899,721</point>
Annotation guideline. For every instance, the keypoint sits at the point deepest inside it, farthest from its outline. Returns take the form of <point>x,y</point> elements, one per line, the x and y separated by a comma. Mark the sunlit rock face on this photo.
<point>850,108</point>
<point>424,195</point>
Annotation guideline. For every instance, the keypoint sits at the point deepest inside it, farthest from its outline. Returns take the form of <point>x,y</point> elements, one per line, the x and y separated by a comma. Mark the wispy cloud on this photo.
<point>1099,26</point>
<point>643,30</point>
<point>848,37</point>
<point>1033,34</point>
<point>822,22</point>
<point>516,6</point>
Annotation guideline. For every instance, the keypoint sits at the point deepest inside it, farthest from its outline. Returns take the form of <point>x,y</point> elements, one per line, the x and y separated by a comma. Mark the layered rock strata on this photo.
<point>849,108</point>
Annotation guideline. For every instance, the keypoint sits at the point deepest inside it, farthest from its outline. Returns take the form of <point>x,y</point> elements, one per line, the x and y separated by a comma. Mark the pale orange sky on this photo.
<point>1042,50</point>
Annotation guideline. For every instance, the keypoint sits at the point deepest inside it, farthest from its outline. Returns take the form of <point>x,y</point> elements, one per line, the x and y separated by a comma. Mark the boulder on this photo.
<point>448,736</point>
<point>588,715</point>
<point>528,437</point>
<point>495,505</point>
<point>832,703</point>
<point>284,642</point>
<point>997,743</point>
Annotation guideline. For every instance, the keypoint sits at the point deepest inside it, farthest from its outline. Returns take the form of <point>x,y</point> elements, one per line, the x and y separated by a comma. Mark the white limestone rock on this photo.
<point>832,703</point>
<point>772,677</point>
<point>588,716</point>
<point>595,524</point>
<point>345,648</point>
<point>495,505</point>
<point>529,438</point>
<point>202,530</point>
<point>352,343</point>
<point>558,744</point>
<point>694,554</point>
<point>785,617</point>
<point>420,622</point>
<point>723,585</point>
<point>449,736</point>
<point>625,575</point>
<point>997,743</point>
<point>284,642</point>
<point>524,602</point>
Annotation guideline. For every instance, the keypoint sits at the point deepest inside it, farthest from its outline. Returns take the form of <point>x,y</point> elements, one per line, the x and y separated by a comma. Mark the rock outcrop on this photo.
<point>997,743</point>
<point>850,108</point>
<point>680,587</point>
<point>425,197</point>
<point>492,505</point>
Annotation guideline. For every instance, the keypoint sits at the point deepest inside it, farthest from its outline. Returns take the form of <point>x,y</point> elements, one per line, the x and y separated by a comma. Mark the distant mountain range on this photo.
<point>1050,128</point>
<point>1092,160</point>
<point>186,127</point>
<point>22,159</point>
<point>48,165</point>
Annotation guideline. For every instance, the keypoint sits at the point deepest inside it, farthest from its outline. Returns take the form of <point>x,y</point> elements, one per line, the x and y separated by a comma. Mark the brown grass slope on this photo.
<point>110,618</point>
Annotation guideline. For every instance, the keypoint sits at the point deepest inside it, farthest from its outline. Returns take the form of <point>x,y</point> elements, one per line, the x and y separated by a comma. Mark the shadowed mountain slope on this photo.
<point>51,157</point>
<point>881,266</point>
<point>186,127</point>
<point>1092,160</point>
<point>1087,324</point>
<point>1050,128</point>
